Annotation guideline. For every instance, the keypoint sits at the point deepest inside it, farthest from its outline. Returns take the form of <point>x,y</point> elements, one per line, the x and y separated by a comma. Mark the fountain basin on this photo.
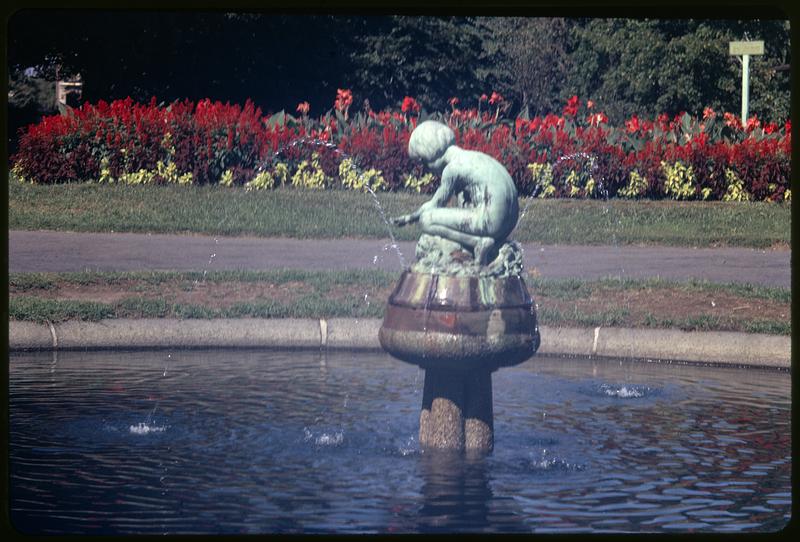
<point>460,323</point>
<point>324,442</point>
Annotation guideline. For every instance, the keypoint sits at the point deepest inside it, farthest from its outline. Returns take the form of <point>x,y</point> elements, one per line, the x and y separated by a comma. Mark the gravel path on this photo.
<point>39,251</point>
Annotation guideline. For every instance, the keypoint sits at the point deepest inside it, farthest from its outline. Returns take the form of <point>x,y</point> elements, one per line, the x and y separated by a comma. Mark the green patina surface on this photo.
<point>486,210</point>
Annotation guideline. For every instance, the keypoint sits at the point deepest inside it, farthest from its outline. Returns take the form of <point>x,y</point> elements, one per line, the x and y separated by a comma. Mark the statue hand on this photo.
<point>400,220</point>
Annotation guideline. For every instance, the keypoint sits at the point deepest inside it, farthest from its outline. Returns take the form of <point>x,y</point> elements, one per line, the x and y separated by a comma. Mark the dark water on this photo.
<point>262,442</point>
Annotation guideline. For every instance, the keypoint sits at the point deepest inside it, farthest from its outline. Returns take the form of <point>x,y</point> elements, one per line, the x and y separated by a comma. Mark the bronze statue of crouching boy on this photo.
<point>487,208</point>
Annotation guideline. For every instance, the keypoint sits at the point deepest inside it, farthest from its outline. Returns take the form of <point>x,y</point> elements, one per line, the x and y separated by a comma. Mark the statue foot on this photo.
<point>482,250</point>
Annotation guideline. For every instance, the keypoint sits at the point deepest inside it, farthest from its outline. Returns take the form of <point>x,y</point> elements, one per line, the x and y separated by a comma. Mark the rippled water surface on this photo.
<point>262,442</point>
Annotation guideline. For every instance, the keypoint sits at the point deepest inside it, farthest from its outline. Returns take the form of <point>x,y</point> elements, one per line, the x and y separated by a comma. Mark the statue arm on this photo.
<point>445,190</point>
<point>439,199</point>
<point>412,217</point>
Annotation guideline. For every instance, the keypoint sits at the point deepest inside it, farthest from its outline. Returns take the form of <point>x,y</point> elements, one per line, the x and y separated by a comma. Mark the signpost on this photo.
<point>745,49</point>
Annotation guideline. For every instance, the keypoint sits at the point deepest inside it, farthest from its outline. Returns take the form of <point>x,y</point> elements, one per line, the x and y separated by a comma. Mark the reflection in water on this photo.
<point>457,496</point>
<point>455,491</point>
<point>271,442</point>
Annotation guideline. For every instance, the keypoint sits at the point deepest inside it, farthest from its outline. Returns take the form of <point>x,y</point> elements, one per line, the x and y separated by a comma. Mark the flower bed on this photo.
<point>574,154</point>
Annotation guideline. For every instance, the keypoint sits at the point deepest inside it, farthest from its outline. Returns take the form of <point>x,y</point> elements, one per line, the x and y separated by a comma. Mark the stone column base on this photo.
<point>457,411</point>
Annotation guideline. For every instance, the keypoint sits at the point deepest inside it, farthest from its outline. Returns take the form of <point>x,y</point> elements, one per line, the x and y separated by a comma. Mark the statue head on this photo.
<point>428,143</point>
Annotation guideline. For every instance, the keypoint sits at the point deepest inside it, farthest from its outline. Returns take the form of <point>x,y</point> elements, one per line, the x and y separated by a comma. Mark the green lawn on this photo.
<point>649,303</point>
<point>337,213</point>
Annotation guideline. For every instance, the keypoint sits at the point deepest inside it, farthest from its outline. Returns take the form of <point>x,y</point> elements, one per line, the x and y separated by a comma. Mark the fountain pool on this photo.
<point>233,441</point>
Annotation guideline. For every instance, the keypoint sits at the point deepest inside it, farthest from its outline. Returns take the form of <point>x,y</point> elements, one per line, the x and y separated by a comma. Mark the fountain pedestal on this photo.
<point>462,310</point>
<point>459,329</point>
<point>457,410</point>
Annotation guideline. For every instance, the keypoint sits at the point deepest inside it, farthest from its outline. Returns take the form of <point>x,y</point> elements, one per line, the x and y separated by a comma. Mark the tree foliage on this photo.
<point>530,60</point>
<point>34,93</point>
<point>275,60</point>
<point>647,67</point>
<point>626,66</point>
<point>429,58</point>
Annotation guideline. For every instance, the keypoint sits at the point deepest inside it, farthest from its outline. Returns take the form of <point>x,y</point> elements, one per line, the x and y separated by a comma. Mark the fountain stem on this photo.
<point>457,411</point>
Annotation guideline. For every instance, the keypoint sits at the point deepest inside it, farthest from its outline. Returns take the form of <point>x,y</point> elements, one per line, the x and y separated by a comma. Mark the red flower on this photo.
<point>752,123</point>
<point>770,128</point>
<point>708,113</point>
<point>678,118</point>
<point>343,99</point>
<point>409,104</point>
<point>700,139</point>
<point>571,109</point>
<point>597,118</point>
<point>732,121</point>
<point>495,98</point>
<point>589,104</point>
<point>483,98</point>
<point>521,126</point>
<point>632,124</point>
<point>788,127</point>
<point>453,101</point>
<point>304,107</point>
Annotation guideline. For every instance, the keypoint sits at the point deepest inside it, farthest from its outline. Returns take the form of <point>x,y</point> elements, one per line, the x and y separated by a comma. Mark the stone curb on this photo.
<point>751,349</point>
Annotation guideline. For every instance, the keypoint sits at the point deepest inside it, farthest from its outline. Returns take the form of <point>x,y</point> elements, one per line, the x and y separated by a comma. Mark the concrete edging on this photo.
<point>753,349</point>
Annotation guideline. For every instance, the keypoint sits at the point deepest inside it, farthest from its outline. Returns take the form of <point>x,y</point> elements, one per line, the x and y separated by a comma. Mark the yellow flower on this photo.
<point>637,185</point>
<point>297,178</point>
<point>168,172</point>
<point>372,178</point>
<point>736,190</point>
<point>16,171</point>
<point>590,186</point>
<point>418,183</point>
<point>227,178</point>
<point>347,173</point>
<point>572,183</point>
<point>309,179</point>
<point>105,172</point>
<point>139,177</point>
<point>680,180</point>
<point>263,180</point>
<point>166,143</point>
<point>542,176</point>
<point>549,191</point>
<point>281,172</point>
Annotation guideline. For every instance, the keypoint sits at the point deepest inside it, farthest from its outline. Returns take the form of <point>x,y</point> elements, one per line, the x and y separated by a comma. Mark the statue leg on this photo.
<point>461,226</point>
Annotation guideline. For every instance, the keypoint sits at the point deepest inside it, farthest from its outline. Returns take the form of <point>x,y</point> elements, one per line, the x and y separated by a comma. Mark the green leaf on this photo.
<point>340,120</point>
<point>65,110</point>
<point>686,123</point>
<point>278,119</point>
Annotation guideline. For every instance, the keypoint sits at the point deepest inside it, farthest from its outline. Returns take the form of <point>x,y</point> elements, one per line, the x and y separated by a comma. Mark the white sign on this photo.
<point>746,48</point>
